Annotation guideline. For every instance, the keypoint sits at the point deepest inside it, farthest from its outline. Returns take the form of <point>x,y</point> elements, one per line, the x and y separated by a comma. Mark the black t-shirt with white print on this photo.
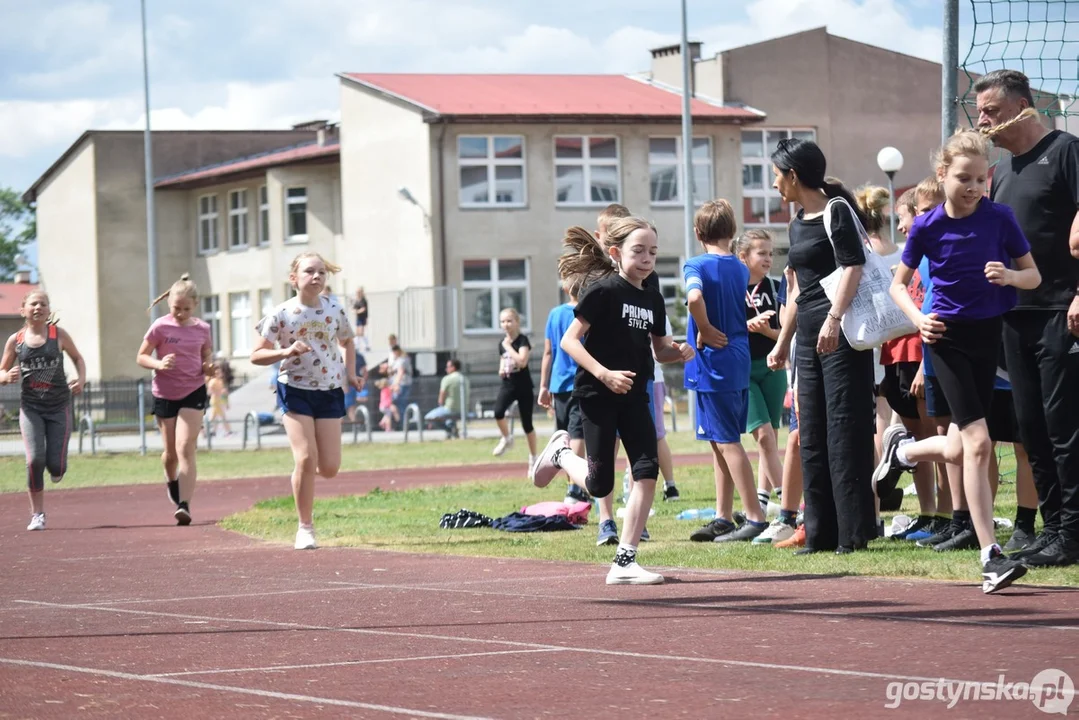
<point>760,298</point>
<point>519,377</point>
<point>1041,186</point>
<point>622,320</point>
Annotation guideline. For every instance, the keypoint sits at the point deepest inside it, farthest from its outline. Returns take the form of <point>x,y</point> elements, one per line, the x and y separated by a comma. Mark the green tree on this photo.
<point>18,228</point>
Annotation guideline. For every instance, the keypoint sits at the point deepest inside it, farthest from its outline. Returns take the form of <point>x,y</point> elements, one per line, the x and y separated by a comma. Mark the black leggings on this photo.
<point>525,400</point>
<point>604,422</point>
<point>965,361</point>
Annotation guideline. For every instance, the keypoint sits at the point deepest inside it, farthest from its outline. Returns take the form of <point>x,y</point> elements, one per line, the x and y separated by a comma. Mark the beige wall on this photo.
<point>67,251</point>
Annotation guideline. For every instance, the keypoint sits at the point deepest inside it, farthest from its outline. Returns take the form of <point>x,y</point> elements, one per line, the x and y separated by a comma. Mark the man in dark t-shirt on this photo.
<point>1039,180</point>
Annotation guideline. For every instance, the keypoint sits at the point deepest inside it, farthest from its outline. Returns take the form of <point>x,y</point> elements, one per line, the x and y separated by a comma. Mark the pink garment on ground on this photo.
<point>577,513</point>
<point>186,343</point>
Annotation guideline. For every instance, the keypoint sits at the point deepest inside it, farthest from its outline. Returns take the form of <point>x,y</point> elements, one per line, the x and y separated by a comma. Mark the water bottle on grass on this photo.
<point>697,514</point>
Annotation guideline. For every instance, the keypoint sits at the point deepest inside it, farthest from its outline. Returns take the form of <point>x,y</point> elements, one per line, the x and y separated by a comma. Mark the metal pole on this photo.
<point>151,238</point>
<point>142,416</point>
<point>949,69</point>
<point>464,405</point>
<point>687,166</point>
<point>891,196</point>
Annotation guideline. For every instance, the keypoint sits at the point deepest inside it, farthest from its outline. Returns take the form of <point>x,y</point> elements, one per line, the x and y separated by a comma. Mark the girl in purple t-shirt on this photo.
<point>183,347</point>
<point>972,245</point>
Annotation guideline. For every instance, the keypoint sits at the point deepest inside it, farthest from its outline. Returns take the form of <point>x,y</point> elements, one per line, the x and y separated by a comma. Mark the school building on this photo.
<point>437,192</point>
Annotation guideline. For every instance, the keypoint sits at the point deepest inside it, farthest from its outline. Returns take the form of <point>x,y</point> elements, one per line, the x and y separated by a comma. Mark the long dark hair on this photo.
<point>807,161</point>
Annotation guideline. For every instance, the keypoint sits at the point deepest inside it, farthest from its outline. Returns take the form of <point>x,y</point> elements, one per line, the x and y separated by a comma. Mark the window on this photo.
<point>296,214</point>
<point>491,285</point>
<point>208,241</point>
<point>669,270</point>
<point>264,217</point>
<point>211,313</point>
<point>665,170</point>
<point>586,170</point>
<point>492,171</point>
<point>237,219</point>
<point>761,204</point>
<point>266,304</point>
<point>240,325</point>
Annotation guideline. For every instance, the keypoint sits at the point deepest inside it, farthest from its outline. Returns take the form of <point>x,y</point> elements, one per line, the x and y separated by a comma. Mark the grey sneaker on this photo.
<point>748,531</point>
<point>544,470</point>
<point>1020,540</point>
<point>608,533</point>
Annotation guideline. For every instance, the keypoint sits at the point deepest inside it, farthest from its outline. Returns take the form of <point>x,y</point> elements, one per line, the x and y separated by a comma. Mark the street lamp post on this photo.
<point>890,161</point>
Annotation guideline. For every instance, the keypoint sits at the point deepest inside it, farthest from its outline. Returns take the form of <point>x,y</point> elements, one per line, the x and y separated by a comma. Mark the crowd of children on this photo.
<point>968,262</point>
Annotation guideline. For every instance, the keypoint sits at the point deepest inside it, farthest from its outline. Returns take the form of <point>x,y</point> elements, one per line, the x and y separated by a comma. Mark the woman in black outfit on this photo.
<point>835,382</point>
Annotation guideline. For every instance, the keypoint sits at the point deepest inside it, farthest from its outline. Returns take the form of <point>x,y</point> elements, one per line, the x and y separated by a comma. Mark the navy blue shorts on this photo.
<point>936,405</point>
<point>721,416</point>
<point>318,404</point>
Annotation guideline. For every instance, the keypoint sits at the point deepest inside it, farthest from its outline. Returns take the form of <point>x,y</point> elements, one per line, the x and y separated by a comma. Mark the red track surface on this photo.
<point>114,612</point>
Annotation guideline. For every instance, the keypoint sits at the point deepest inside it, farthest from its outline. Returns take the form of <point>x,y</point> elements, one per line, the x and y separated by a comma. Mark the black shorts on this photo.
<point>1001,420</point>
<point>604,422</point>
<point>965,360</point>
<point>318,404</point>
<point>166,409</point>
<point>895,388</point>
<point>567,415</point>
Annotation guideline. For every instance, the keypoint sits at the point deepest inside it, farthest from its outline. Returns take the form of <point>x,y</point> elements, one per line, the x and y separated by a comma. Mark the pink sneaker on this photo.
<point>543,471</point>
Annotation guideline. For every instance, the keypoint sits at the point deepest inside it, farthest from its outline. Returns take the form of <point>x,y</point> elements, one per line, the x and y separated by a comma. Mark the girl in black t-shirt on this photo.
<point>618,323</point>
<point>513,351</point>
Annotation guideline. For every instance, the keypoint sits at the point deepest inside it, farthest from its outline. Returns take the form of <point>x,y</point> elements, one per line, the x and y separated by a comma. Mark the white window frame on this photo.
<point>586,162</point>
<point>266,303</point>
<point>237,220</point>
<point>209,215</point>
<point>491,162</point>
<point>709,162</point>
<point>494,285</point>
<point>240,327</point>
<point>289,202</point>
<point>211,314</point>
<point>263,239</point>
<point>765,164</point>
<point>671,281</point>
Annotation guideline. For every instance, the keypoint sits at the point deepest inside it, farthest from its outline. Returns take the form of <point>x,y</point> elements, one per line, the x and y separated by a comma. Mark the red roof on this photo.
<point>239,166</point>
<point>546,96</point>
<point>11,297</point>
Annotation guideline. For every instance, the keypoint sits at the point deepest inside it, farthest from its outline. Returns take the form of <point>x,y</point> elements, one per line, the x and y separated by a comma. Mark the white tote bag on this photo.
<point>873,317</point>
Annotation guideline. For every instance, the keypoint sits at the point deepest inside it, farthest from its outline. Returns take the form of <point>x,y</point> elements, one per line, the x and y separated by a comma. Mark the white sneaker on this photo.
<point>632,574</point>
<point>531,462</point>
<point>504,444</point>
<point>778,531</point>
<point>56,478</point>
<point>37,522</point>
<point>305,539</point>
<point>543,470</point>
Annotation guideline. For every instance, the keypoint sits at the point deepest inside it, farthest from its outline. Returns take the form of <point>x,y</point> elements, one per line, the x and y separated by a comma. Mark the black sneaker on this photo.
<point>670,492</point>
<point>173,487</point>
<point>893,502</point>
<point>576,493</point>
<point>713,530</point>
<point>944,535</point>
<point>888,472</point>
<point>1041,541</point>
<point>747,532</point>
<point>965,539</point>
<point>1000,571</point>
<point>182,514</point>
<point>1020,540</point>
<point>1062,551</point>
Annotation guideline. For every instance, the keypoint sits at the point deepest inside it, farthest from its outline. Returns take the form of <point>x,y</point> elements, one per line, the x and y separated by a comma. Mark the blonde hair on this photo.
<point>587,258</point>
<point>1027,112</point>
<point>872,201</point>
<point>52,319</point>
<point>714,221</point>
<point>929,188</point>
<point>965,143</point>
<point>612,212</point>
<point>513,313</point>
<point>181,288</point>
<point>745,241</point>
<point>330,267</point>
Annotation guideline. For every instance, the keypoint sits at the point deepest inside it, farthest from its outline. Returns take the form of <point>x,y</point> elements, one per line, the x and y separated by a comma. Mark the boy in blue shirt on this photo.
<point>715,291</point>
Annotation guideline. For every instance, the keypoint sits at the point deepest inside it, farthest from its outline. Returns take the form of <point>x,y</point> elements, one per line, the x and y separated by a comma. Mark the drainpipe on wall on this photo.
<point>442,206</point>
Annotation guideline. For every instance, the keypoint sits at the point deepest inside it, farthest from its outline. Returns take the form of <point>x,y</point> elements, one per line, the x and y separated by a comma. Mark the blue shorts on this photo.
<point>936,405</point>
<point>721,416</point>
<point>794,420</point>
<point>318,404</point>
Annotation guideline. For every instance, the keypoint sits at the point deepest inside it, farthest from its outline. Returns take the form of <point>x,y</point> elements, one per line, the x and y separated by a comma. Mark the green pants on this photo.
<point>767,390</point>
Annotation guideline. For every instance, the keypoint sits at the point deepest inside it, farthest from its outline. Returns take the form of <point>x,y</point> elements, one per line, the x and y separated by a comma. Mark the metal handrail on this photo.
<point>362,410</point>
<point>253,418</point>
<point>412,410</point>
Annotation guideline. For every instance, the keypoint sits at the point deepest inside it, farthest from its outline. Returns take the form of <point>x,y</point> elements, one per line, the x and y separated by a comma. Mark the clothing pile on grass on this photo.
<point>541,517</point>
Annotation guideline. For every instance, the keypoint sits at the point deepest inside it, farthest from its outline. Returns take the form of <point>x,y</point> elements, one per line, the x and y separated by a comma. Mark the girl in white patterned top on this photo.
<point>310,335</point>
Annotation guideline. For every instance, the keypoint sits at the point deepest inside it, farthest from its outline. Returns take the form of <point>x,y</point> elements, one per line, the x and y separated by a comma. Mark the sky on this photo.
<point>68,66</point>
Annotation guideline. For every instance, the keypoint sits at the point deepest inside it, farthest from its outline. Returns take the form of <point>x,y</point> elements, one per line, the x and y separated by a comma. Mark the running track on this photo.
<point>115,612</point>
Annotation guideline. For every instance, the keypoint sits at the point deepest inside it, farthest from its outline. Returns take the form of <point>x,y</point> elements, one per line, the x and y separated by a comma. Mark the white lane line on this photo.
<point>242,690</point>
<point>518,644</point>
<point>346,663</point>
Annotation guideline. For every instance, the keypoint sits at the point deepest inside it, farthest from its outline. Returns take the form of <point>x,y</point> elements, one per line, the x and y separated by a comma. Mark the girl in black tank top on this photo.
<point>34,357</point>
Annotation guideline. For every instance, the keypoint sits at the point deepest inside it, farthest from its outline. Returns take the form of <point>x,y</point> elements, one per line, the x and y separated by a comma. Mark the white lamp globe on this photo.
<point>890,160</point>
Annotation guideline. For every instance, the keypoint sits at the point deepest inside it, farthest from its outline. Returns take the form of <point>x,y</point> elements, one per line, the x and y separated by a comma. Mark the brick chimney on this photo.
<point>22,277</point>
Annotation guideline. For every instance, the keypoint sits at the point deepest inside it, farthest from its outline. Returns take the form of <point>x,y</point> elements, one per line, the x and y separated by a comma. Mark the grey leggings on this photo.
<point>45,435</point>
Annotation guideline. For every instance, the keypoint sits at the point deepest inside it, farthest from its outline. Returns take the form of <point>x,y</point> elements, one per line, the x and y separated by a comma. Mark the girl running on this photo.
<point>307,330</point>
<point>218,390</point>
<point>34,356</point>
<point>183,349</point>
<point>513,351</point>
<point>617,324</point>
<point>971,243</point>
